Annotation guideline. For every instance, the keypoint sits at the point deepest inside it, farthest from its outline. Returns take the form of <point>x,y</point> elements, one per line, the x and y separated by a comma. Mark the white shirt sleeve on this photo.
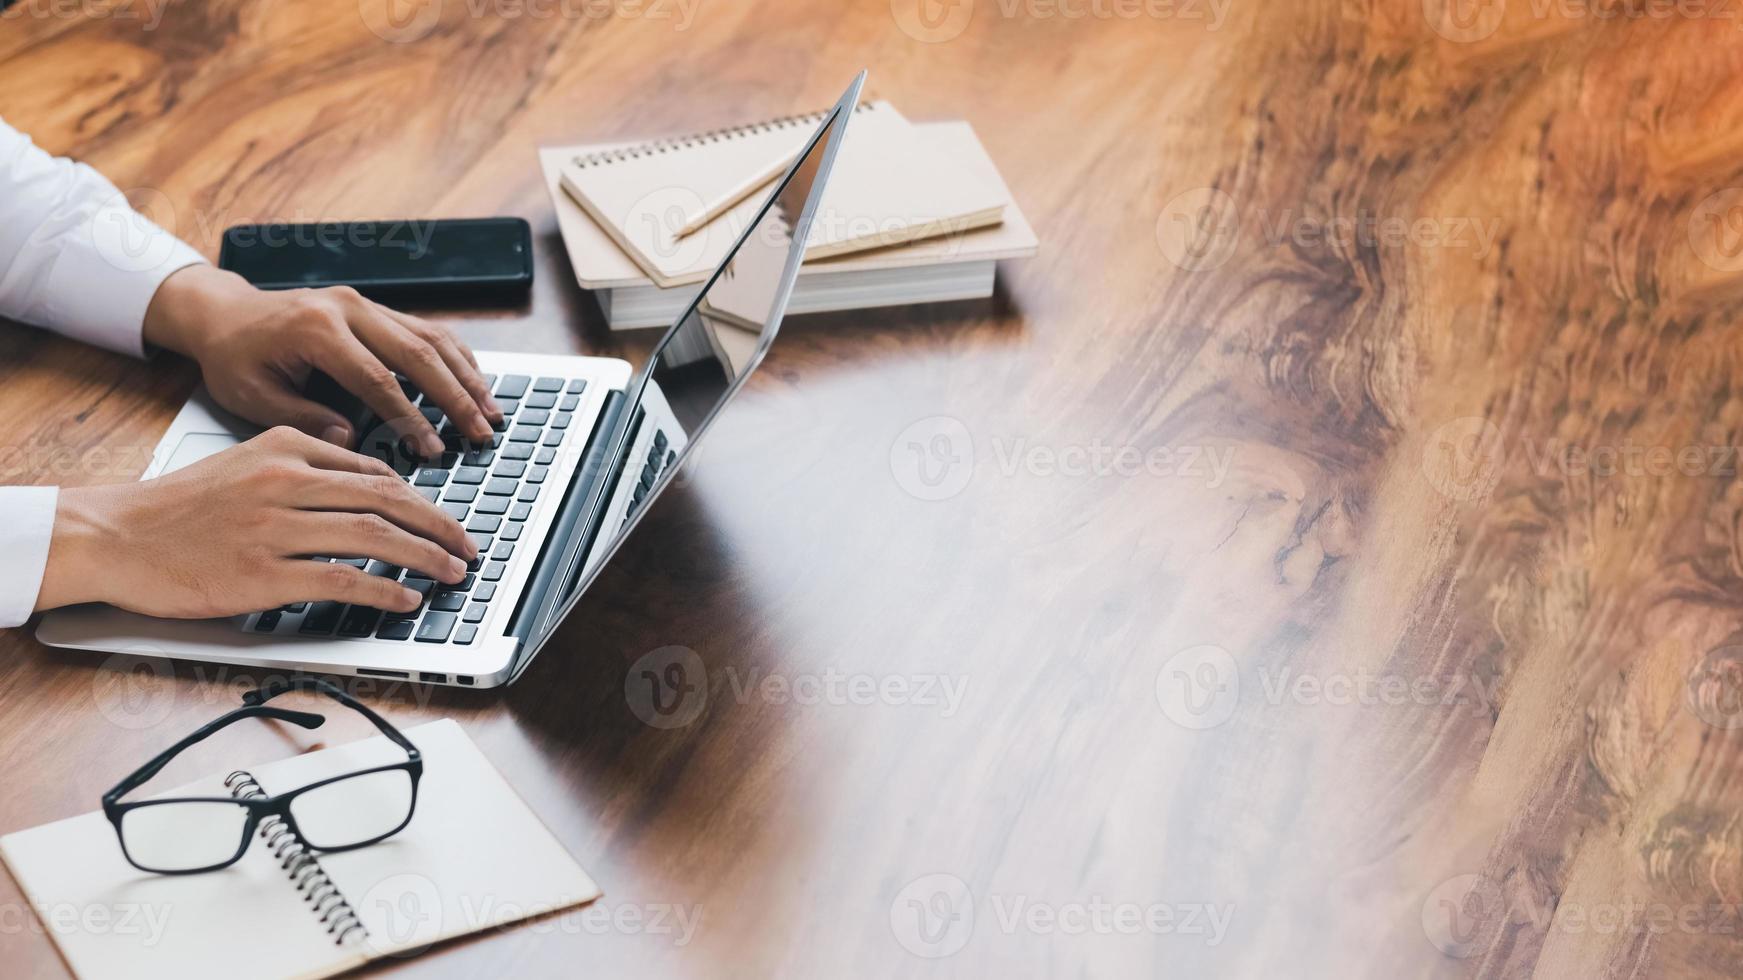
<point>74,256</point>
<point>77,259</point>
<point>24,537</point>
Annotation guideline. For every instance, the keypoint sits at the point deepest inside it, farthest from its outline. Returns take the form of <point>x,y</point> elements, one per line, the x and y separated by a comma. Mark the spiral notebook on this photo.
<point>474,857</point>
<point>889,187</point>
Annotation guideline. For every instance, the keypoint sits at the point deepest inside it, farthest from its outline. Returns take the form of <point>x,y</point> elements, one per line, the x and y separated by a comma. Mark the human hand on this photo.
<point>227,535</point>
<point>256,349</point>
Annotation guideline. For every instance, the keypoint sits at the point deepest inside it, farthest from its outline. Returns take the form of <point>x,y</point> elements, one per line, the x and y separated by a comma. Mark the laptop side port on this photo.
<point>429,678</point>
<point>372,672</point>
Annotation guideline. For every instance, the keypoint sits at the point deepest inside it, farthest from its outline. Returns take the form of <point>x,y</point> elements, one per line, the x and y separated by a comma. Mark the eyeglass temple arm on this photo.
<point>304,682</point>
<point>303,719</point>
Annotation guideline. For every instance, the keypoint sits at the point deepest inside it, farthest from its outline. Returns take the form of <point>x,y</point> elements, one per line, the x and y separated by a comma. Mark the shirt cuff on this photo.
<point>99,295</point>
<point>24,539</point>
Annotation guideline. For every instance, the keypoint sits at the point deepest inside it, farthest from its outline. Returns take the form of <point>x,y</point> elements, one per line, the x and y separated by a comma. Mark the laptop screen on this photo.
<point>697,366</point>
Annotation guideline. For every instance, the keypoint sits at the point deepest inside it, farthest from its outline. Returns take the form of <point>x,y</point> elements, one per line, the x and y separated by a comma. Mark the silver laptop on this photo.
<point>588,445</point>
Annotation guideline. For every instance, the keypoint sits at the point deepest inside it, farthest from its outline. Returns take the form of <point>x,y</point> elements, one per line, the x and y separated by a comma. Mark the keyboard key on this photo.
<point>322,619</point>
<point>431,478</point>
<point>541,400</point>
<point>528,493</point>
<point>448,602</point>
<point>456,511</point>
<point>501,487</point>
<point>396,629</point>
<point>465,584</point>
<point>267,622</point>
<point>489,380</point>
<point>660,441</point>
<point>484,593</point>
<point>492,505</point>
<point>493,571</point>
<point>436,628</point>
<point>576,387</point>
<point>381,569</point>
<point>548,384</point>
<point>520,512</point>
<point>472,475</point>
<point>517,451</point>
<point>510,532</point>
<point>562,420</point>
<point>570,403</point>
<point>359,621</point>
<point>537,474</point>
<point>500,426</point>
<point>465,635</point>
<point>475,612</point>
<point>482,541</point>
<point>355,562</point>
<point>479,457</point>
<point>647,477</point>
<point>484,524</point>
<point>431,414</point>
<point>554,437</point>
<point>461,494</point>
<point>406,386</point>
<point>513,386</point>
<point>432,494</point>
<point>296,607</point>
<point>509,406</point>
<point>671,455</point>
<point>534,416</point>
<point>512,469</point>
<point>504,551</point>
<point>524,433</point>
<point>422,586</point>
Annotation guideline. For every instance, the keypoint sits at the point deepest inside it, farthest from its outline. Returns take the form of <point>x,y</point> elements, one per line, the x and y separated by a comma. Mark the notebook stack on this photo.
<point>914,213</point>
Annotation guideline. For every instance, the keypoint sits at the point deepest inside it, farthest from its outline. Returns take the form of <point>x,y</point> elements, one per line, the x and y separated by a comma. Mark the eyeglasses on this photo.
<point>193,835</point>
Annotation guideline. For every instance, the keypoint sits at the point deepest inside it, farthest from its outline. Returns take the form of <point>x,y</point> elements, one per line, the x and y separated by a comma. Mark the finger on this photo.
<point>275,404</point>
<point>399,348</point>
<point>313,581</point>
<point>368,536</point>
<point>459,357</point>
<point>392,498</point>
<point>324,455</point>
<point>363,374</point>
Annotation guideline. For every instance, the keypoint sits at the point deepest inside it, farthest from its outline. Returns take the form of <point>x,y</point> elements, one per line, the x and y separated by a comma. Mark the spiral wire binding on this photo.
<point>672,144</point>
<point>300,865</point>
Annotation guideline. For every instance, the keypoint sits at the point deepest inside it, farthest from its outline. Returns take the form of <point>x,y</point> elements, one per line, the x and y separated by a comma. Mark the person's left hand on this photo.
<point>256,348</point>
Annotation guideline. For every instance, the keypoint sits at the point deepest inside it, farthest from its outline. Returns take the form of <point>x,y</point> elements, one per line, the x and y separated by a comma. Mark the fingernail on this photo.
<point>492,406</point>
<point>412,599</point>
<point>338,435</point>
<point>457,568</point>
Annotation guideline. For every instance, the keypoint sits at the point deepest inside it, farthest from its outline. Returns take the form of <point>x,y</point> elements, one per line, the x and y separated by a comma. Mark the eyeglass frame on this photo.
<point>260,808</point>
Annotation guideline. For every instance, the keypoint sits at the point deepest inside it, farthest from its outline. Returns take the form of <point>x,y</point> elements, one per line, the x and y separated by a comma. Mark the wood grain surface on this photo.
<point>1325,559</point>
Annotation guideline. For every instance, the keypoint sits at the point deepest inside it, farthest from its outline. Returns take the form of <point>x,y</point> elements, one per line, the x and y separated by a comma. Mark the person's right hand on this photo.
<point>229,534</point>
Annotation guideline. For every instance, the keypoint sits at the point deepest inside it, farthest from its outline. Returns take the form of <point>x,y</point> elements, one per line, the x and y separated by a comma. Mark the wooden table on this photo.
<point>1324,559</point>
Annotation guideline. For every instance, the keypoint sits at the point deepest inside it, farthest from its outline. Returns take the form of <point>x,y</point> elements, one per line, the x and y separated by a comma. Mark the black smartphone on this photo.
<point>414,261</point>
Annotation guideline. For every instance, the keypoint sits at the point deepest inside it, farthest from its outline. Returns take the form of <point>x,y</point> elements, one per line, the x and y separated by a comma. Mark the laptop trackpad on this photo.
<point>196,446</point>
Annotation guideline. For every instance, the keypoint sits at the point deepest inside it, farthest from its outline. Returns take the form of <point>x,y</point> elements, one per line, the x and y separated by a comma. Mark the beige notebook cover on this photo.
<point>889,186</point>
<point>473,857</point>
<point>599,262</point>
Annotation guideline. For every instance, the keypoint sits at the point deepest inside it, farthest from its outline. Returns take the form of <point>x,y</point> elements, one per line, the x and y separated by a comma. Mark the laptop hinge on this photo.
<point>555,551</point>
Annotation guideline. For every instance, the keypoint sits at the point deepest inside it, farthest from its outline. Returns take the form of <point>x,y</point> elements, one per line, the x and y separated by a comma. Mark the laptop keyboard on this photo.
<point>490,490</point>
